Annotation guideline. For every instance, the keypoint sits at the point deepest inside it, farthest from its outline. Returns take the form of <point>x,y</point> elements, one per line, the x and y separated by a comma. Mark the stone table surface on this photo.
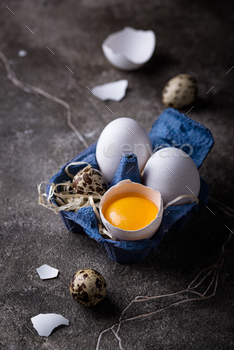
<point>62,42</point>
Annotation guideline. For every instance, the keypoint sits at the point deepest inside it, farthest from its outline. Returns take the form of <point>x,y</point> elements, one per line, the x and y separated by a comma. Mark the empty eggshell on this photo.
<point>179,91</point>
<point>173,173</point>
<point>129,49</point>
<point>120,137</point>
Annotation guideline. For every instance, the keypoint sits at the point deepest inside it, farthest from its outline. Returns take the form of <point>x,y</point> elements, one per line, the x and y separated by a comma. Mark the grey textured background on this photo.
<point>192,37</point>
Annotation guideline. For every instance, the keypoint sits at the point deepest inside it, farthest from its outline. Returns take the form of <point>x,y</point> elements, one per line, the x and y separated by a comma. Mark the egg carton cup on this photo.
<point>184,133</point>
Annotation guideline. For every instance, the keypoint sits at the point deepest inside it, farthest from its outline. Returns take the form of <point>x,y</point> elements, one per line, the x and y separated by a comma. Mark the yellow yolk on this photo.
<point>131,212</point>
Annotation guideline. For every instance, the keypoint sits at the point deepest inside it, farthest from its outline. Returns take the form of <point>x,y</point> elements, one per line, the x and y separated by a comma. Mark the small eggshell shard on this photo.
<point>46,272</point>
<point>120,137</point>
<point>114,91</point>
<point>173,173</point>
<point>88,287</point>
<point>90,133</point>
<point>180,91</point>
<point>129,49</point>
<point>89,181</point>
<point>22,53</point>
<point>46,323</point>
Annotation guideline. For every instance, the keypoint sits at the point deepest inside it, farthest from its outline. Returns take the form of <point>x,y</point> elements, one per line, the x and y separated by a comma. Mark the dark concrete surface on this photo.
<point>192,37</point>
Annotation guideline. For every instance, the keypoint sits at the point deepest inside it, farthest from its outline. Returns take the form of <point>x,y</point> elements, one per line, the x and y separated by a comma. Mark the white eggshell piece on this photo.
<point>129,49</point>
<point>46,272</point>
<point>173,173</point>
<point>122,136</point>
<point>46,323</point>
<point>22,53</point>
<point>127,186</point>
<point>111,91</point>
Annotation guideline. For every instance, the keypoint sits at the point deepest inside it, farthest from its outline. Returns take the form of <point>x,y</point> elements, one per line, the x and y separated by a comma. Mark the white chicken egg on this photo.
<point>120,137</point>
<point>173,173</point>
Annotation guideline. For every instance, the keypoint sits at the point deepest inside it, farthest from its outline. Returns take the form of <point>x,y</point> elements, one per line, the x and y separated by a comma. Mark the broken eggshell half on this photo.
<point>127,186</point>
<point>129,49</point>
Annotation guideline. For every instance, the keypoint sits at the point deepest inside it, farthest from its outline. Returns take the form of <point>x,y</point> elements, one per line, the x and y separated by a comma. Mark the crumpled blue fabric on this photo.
<point>170,129</point>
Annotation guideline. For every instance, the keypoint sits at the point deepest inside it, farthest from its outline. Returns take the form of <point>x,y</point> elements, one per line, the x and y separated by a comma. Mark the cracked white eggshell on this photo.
<point>173,173</point>
<point>122,136</point>
<point>127,186</point>
<point>114,91</point>
<point>22,53</point>
<point>129,48</point>
<point>46,323</point>
<point>46,272</point>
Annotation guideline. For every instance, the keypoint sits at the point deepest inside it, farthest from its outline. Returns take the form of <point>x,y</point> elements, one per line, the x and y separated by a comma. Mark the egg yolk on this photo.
<point>131,212</point>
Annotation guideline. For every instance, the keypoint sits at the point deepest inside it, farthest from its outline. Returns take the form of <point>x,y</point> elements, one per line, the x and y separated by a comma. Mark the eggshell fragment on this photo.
<point>22,53</point>
<point>120,137</point>
<point>46,323</point>
<point>179,91</point>
<point>114,91</point>
<point>173,173</point>
<point>129,49</point>
<point>46,272</point>
<point>88,287</point>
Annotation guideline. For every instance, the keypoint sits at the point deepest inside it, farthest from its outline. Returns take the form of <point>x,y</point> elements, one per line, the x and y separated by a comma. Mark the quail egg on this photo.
<point>88,181</point>
<point>180,91</point>
<point>88,287</point>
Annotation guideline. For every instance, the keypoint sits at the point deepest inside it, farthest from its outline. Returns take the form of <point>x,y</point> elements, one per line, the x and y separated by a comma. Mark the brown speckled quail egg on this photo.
<point>88,181</point>
<point>180,91</point>
<point>88,287</point>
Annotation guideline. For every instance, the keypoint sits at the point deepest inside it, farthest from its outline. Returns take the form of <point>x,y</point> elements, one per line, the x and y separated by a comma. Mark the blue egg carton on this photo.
<point>170,129</point>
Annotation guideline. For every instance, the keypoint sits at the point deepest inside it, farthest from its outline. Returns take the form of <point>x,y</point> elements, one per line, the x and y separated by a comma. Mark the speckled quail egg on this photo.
<point>180,91</point>
<point>88,287</point>
<point>88,181</point>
